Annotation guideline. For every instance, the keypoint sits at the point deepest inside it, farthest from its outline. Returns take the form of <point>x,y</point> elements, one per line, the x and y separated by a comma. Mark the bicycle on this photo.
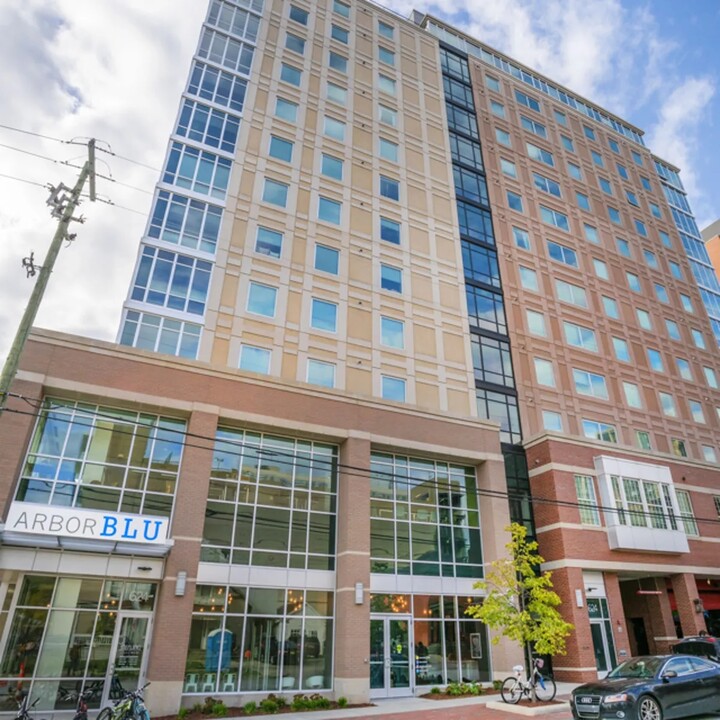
<point>24,707</point>
<point>514,687</point>
<point>131,706</point>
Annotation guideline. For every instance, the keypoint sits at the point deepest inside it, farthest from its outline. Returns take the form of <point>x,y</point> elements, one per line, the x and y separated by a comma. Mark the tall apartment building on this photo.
<point>392,282</point>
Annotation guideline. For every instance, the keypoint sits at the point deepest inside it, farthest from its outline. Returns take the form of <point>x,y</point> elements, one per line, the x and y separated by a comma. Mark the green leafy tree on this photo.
<point>520,601</point>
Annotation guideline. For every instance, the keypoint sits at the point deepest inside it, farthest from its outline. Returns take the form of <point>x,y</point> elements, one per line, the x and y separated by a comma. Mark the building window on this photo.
<point>696,410</point>
<point>250,520</point>
<point>326,259</point>
<point>392,388</point>
<point>339,34</point>
<point>643,439</point>
<point>710,377</point>
<point>667,404</point>
<point>613,146</point>
<point>637,158</point>
<point>261,299</point>
<point>386,30</point>
<point>642,503</point>
<point>333,128</point>
<point>329,210</point>
<point>331,167</point>
<point>601,269</point>
<point>521,238</point>
<point>197,170</point>
<point>341,8</point>
<point>683,367</point>
<point>562,254</point>
<point>100,458</point>
<point>591,234</point>
<point>536,323</point>
<point>622,171</point>
<point>687,303</point>
<point>336,94</point>
<point>485,309</point>
<point>528,279</point>
<point>508,168</point>
<point>387,116</point>
<point>655,360</point>
<point>587,383</point>
<point>655,210</point>
<point>555,218</point>
<point>254,359</point>
<point>574,171</point>
<point>392,332</point>
<point>547,185</point>
<point>587,501</point>
<point>298,15</point>
<point>543,156</point>
<point>673,329</point>
<point>533,127</point>
<point>580,337</point>
<point>589,132</point>
<point>644,319</point>
<point>605,186</point>
<point>709,455</point>
<point>337,62</point>
<point>182,221</point>
<point>502,137</point>
<point>389,231</point>
<point>640,228</point>
<point>387,85</point>
<point>218,86</point>
<point>390,278</point>
<point>286,110</point>
<point>275,193</point>
<point>610,307</point>
<point>633,281</point>
<point>323,315</point>
<point>388,150</point>
<point>552,421</point>
<point>501,408</point>
<point>572,294</point>
<point>597,158</point>
<point>583,201</point>
<point>208,126</point>
<point>527,101</point>
<point>560,117</point>
<point>280,149</point>
<point>599,431</point>
<point>321,373</point>
<point>171,280</point>
<point>632,394</point>
<point>614,215</point>
<point>386,56</point>
<point>492,83</point>
<point>491,360</point>
<point>226,51</point>
<point>514,201</point>
<point>632,198</point>
<point>480,264</point>
<point>497,109</point>
<point>623,247</point>
<point>665,239</point>
<point>290,74</point>
<point>687,516</point>
<point>268,242</point>
<point>675,270</point>
<point>389,188</point>
<point>567,143</point>
<point>622,351</point>
<point>678,447</point>
<point>160,334</point>
<point>295,43</point>
<point>544,372</point>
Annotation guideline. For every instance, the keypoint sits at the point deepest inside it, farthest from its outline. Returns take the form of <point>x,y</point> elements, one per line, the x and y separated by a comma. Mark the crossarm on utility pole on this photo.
<point>11,364</point>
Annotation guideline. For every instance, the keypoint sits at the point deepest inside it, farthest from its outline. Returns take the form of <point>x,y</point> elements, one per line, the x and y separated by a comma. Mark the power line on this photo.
<point>23,180</point>
<point>130,160</point>
<point>32,154</point>
<point>34,134</point>
<point>349,470</point>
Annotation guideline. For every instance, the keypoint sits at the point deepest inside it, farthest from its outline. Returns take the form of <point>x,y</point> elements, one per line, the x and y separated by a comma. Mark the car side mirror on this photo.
<point>668,675</point>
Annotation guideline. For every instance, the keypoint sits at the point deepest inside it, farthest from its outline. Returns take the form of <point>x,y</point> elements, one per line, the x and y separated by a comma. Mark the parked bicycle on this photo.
<point>514,687</point>
<point>24,707</point>
<point>131,706</point>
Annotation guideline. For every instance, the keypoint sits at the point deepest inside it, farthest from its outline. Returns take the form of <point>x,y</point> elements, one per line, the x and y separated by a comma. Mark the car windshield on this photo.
<point>644,667</point>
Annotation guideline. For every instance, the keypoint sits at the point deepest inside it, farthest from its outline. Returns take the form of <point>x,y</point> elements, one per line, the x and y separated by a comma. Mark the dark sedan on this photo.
<point>652,687</point>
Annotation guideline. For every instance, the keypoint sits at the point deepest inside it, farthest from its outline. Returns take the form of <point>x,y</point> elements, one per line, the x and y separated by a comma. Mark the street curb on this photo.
<point>528,711</point>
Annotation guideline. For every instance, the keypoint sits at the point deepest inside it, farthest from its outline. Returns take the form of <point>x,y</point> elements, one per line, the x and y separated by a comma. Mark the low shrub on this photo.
<point>219,709</point>
<point>183,713</point>
<point>435,690</point>
<point>208,705</point>
<point>197,708</point>
<point>497,684</point>
<point>268,705</point>
<point>300,702</point>
<point>342,701</point>
<point>250,707</point>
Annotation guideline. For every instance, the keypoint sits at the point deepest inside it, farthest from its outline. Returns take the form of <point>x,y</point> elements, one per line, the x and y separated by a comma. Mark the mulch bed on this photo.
<point>240,712</point>
<point>445,696</point>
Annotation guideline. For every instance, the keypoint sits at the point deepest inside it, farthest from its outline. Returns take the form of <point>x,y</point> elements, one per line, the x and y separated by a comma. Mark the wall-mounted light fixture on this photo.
<point>698,603</point>
<point>359,593</point>
<point>180,582</point>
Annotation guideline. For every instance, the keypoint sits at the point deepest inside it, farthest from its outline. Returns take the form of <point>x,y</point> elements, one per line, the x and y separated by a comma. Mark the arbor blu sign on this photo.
<point>88,524</point>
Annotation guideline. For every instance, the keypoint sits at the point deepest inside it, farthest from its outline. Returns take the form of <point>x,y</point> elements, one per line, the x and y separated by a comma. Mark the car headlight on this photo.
<point>620,697</point>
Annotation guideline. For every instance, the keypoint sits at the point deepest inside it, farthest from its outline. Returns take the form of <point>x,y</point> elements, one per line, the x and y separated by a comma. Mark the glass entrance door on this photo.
<point>391,656</point>
<point>128,651</point>
<point>601,630</point>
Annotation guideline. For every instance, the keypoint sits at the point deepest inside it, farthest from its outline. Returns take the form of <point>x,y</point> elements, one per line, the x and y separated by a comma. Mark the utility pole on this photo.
<point>63,208</point>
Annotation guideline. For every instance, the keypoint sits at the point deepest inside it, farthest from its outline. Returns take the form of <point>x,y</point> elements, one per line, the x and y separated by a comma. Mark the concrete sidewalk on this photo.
<point>468,708</point>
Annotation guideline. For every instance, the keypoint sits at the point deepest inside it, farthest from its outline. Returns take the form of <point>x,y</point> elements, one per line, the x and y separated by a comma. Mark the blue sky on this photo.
<point>115,71</point>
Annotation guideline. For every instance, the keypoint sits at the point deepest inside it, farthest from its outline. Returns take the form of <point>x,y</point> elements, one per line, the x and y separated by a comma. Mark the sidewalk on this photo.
<point>470,708</point>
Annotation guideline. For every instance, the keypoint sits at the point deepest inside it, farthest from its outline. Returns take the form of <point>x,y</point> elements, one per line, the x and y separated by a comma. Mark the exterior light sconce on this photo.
<point>180,583</point>
<point>359,593</point>
<point>698,603</point>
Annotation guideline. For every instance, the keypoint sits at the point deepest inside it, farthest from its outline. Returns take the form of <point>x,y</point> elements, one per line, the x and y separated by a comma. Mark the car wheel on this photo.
<point>649,709</point>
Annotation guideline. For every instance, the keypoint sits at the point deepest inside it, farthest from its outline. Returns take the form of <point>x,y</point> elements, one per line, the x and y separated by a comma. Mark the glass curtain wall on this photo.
<point>100,458</point>
<point>60,636</point>
<point>271,502</point>
<point>260,640</point>
<point>449,646</point>
<point>424,518</point>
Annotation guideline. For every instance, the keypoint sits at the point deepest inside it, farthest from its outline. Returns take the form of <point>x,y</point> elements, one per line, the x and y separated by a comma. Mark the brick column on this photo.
<point>617,617</point>
<point>494,518</point>
<point>352,621</point>
<point>578,664</point>
<point>173,615</point>
<point>685,589</point>
<point>661,634</point>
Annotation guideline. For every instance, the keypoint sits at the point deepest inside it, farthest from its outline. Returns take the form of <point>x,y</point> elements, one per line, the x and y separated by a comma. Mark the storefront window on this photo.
<point>271,502</point>
<point>424,518</point>
<point>61,637</point>
<point>276,641</point>
<point>101,458</point>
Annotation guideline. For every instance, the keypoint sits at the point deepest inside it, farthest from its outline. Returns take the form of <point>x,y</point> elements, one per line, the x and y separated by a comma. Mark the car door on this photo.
<point>709,688</point>
<point>678,695</point>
